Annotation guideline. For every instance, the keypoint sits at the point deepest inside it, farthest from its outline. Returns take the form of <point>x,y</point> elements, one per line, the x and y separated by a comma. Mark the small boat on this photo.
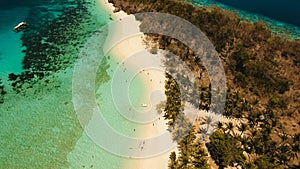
<point>20,26</point>
<point>144,105</point>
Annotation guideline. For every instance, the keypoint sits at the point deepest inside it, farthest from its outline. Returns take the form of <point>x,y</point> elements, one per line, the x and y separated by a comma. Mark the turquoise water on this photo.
<point>39,126</point>
<point>10,44</point>
<point>288,23</point>
<point>105,98</point>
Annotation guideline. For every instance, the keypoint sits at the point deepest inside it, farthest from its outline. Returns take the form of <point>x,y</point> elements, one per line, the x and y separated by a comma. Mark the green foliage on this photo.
<point>294,166</point>
<point>198,156</point>
<point>235,106</point>
<point>241,79</point>
<point>262,74</point>
<point>153,50</point>
<point>172,161</point>
<point>277,102</point>
<point>204,97</point>
<point>259,74</point>
<point>160,107</point>
<point>264,163</point>
<point>243,127</point>
<point>173,104</point>
<point>181,127</point>
<point>225,149</point>
<point>239,60</point>
<point>191,154</point>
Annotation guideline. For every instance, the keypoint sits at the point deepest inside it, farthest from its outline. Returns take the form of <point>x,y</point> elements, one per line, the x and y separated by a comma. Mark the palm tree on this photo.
<point>242,128</point>
<point>284,137</point>
<point>172,161</point>
<point>253,118</point>
<point>284,154</point>
<point>205,96</point>
<point>295,151</point>
<point>173,103</point>
<point>198,156</point>
<point>295,146</point>
<point>230,127</point>
<point>220,126</point>
<point>208,121</point>
<point>296,138</point>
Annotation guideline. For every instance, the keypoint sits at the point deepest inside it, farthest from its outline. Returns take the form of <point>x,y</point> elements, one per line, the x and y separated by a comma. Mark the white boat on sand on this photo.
<point>144,105</point>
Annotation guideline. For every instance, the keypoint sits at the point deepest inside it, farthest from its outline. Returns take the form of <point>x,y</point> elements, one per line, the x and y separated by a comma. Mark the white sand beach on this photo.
<point>154,80</point>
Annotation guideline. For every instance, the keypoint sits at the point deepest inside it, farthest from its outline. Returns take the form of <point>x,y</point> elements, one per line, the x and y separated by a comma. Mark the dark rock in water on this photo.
<point>2,92</point>
<point>49,38</point>
<point>12,76</point>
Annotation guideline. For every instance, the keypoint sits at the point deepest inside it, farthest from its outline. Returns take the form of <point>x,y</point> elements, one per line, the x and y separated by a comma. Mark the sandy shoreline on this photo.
<point>154,79</point>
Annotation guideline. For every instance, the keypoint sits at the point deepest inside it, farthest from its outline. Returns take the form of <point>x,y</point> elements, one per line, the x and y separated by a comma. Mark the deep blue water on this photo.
<point>9,4</point>
<point>281,16</point>
<point>283,10</point>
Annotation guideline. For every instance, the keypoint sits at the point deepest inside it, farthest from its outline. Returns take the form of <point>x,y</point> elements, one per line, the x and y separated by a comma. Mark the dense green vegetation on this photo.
<point>262,71</point>
<point>236,106</point>
<point>191,154</point>
<point>252,146</point>
<point>225,149</point>
<point>174,104</point>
